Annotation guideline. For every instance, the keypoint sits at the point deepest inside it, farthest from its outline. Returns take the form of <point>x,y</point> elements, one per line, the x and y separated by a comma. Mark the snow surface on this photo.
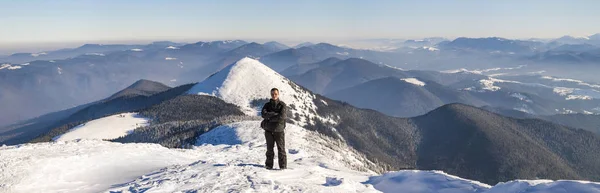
<point>425,181</point>
<point>110,127</point>
<point>393,67</point>
<point>228,158</point>
<point>488,84</point>
<point>235,164</point>
<point>9,67</point>
<point>546,186</point>
<point>579,82</point>
<point>94,54</point>
<point>137,50</point>
<point>430,48</point>
<point>81,166</point>
<point>169,58</point>
<point>521,97</point>
<point>38,54</point>
<point>414,81</point>
<point>172,48</point>
<point>248,79</point>
<point>477,71</point>
<point>577,94</point>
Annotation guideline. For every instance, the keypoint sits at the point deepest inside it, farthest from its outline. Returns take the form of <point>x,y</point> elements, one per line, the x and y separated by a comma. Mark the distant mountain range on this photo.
<point>459,139</point>
<point>62,79</point>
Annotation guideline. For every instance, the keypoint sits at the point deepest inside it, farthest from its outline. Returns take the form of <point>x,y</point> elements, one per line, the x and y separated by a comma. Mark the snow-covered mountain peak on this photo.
<point>248,80</point>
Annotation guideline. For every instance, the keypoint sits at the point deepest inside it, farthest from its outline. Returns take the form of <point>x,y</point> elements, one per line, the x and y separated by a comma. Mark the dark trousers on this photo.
<point>272,139</point>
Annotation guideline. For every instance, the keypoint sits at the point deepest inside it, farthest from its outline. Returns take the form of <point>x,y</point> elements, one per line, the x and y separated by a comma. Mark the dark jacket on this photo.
<point>274,114</point>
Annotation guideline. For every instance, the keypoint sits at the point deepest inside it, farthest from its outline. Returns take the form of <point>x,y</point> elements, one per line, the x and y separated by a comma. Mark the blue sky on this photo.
<point>32,21</point>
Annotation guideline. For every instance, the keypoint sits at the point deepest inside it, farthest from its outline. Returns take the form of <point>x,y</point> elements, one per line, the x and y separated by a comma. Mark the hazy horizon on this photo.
<point>44,25</point>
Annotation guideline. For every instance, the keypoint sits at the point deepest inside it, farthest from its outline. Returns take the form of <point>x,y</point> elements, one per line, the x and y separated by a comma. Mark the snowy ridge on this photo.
<point>248,79</point>
<point>579,82</point>
<point>476,71</point>
<point>109,127</point>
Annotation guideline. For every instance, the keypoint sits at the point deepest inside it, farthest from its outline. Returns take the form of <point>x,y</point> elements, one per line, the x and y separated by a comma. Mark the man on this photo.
<point>274,115</point>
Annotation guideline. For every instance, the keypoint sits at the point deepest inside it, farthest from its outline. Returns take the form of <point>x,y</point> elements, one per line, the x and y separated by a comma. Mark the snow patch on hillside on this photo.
<point>9,67</point>
<point>577,94</point>
<point>579,82</point>
<point>430,48</point>
<point>521,97</point>
<point>393,67</point>
<point>39,54</point>
<point>488,84</point>
<point>414,81</point>
<point>94,54</point>
<point>172,48</point>
<point>137,50</point>
<point>110,127</point>
<point>169,58</point>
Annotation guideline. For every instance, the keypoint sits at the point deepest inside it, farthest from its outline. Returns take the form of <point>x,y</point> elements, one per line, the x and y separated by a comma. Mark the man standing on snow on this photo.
<point>274,115</point>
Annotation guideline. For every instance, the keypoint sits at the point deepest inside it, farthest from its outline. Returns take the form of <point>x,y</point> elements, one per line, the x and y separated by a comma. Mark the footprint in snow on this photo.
<point>332,181</point>
<point>293,151</point>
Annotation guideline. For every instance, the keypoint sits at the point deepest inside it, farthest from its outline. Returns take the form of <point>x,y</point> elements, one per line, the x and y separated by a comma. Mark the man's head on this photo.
<point>275,93</point>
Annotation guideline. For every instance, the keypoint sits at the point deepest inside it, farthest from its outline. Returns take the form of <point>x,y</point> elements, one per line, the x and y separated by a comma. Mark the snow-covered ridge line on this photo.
<point>477,71</point>
<point>248,80</point>
<point>577,94</point>
<point>579,82</point>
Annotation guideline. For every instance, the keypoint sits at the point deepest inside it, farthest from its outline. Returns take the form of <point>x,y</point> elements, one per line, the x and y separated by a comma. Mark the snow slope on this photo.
<point>109,127</point>
<point>228,158</point>
<point>236,164</point>
<point>248,79</point>
<point>81,166</point>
